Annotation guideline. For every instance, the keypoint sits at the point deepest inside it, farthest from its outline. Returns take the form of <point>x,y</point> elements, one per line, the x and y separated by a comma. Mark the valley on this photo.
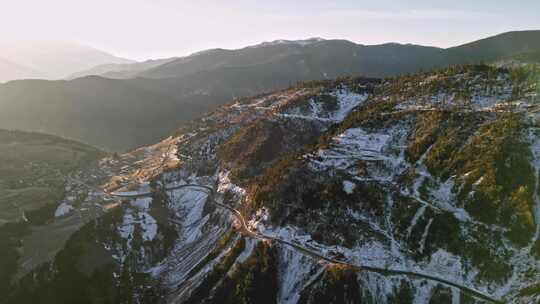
<point>119,107</point>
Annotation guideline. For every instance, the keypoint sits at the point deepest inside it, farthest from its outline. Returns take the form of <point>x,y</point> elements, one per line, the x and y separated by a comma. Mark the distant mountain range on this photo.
<point>10,70</point>
<point>51,60</point>
<point>318,58</point>
<point>154,97</point>
<point>121,70</point>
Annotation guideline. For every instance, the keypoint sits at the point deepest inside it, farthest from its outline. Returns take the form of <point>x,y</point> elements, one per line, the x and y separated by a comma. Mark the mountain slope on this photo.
<point>418,189</point>
<point>121,114</point>
<point>378,188</point>
<point>494,48</point>
<point>520,59</point>
<point>107,113</point>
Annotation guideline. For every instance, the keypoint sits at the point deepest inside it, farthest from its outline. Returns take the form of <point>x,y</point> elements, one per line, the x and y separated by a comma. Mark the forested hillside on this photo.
<point>418,189</point>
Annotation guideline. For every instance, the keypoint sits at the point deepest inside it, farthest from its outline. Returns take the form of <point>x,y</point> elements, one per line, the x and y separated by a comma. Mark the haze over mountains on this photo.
<point>121,70</point>
<point>10,70</point>
<point>50,59</point>
<point>157,96</point>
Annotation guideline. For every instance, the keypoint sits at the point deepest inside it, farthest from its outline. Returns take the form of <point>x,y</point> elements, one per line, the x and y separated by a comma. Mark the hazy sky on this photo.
<point>141,29</point>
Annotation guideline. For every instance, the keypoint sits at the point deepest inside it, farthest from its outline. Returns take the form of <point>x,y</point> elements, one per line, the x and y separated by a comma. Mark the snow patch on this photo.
<point>382,154</point>
<point>142,203</point>
<point>188,204</point>
<point>348,187</point>
<point>419,213</point>
<point>145,221</point>
<point>225,185</point>
<point>246,253</point>
<point>346,102</point>
<point>63,210</point>
<point>295,272</point>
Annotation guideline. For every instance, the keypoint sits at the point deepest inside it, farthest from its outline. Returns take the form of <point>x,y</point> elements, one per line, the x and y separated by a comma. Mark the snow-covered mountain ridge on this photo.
<point>434,174</point>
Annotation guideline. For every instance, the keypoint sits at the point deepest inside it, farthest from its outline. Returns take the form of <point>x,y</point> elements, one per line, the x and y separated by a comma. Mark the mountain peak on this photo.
<point>301,42</point>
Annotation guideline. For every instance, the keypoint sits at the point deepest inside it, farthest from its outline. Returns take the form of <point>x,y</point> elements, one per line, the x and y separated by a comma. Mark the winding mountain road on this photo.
<point>306,251</point>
